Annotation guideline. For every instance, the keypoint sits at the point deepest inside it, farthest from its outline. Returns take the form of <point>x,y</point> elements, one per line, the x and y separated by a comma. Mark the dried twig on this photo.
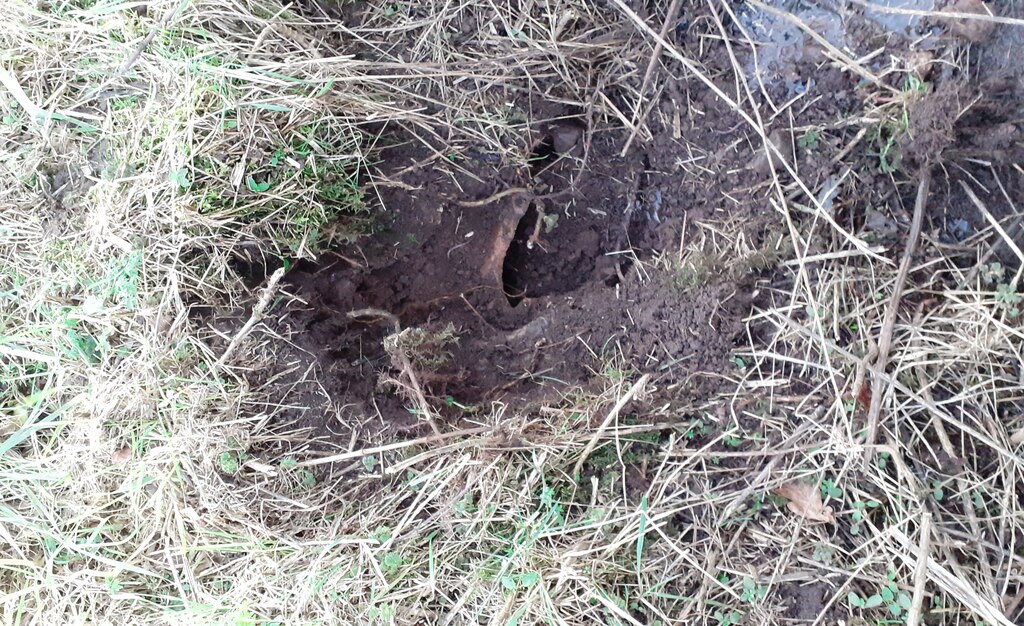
<point>944,15</point>
<point>889,321</point>
<point>635,389</point>
<point>398,445</point>
<point>949,582</point>
<point>255,318</point>
<point>148,39</point>
<point>921,571</point>
<point>512,191</point>
<point>493,198</point>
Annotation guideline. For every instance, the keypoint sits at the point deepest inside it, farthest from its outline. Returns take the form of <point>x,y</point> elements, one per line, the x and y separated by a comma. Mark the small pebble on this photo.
<point>565,137</point>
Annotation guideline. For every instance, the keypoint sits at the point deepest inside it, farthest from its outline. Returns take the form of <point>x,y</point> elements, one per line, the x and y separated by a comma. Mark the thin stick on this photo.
<point>889,322</point>
<point>670,17</point>
<point>255,318</point>
<point>956,586</point>
<point>358,454</point>
<point>418,391</point>
<point>637,386</point>
<point>494,198</point>
<point>148,39</point>
<point>469,204</point>
<point>921,572</point>
<point>946,15</point>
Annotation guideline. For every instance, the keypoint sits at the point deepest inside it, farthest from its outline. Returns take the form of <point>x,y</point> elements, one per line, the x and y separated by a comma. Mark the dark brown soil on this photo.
<point>543,287</point>
<point>803,602</point>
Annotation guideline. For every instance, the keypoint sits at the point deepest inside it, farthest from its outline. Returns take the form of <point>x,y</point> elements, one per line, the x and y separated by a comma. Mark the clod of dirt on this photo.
<point>766,161</point>
<point>974,31</point>
<point>565,136</point>
<point>930,124</point>
<point>922,62</point>
<point>805,602</point>
<point>880,224</point>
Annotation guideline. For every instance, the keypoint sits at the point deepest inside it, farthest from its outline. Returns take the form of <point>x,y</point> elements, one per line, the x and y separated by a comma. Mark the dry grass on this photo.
<point>167,145</point>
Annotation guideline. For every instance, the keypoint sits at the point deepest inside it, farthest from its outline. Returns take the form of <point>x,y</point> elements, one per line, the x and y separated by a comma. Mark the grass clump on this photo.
<point>153,148</point>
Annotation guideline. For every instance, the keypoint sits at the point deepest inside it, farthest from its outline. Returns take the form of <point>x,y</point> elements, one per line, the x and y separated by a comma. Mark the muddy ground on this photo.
<point>530,276</point>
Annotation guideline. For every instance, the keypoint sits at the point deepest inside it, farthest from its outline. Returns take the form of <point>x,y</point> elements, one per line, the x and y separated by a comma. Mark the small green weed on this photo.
<point>992,273</point>
<point>894,125</point>
<point>180,178</point>
<point>697,428</point>
<point>752,592</point>
<point>256,187</point>
<point>370,463</point>
<point>732,441</point>
<point>1008,299</point>
<point>727,617</point>
<point>823,553</point>
<point>230,461</point>
<point>896,602</point>
<point>306,478</point>
<point>809,140</point>
<point>450,401</point>
<point>860,508</point>
<point>830,490</point>
<point>512,582</point>
<point>391,562</point>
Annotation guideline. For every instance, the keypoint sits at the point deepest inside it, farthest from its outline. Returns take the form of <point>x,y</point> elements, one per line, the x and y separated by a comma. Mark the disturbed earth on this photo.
<point>515,277</point>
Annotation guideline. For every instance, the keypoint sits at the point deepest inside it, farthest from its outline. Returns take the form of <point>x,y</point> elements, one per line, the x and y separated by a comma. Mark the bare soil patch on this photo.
<point>566,261</point>
<point>544,286</point>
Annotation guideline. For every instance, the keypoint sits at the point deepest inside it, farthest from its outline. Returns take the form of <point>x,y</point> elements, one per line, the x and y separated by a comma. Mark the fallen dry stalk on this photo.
<point>255,318</point>
<point>391,447</point>
<point>921,571</point>
<point>950,582</point>
<point>946,15</point>
<point>635,389</point>
<point>889,322</point>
